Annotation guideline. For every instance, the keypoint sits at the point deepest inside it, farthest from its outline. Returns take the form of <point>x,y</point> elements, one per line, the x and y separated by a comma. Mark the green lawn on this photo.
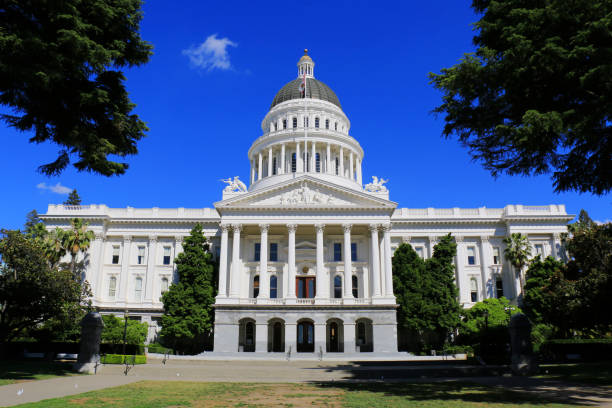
<point>371,395</point>
<point>588,373</point>
<point>16,371</point>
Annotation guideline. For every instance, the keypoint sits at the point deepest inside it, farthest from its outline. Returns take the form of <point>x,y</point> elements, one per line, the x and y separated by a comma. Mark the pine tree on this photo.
<point>73,198</point>
<point>188,314</point>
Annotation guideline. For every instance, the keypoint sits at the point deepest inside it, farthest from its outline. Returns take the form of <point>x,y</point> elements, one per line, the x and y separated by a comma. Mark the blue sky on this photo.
<point>202,119</point>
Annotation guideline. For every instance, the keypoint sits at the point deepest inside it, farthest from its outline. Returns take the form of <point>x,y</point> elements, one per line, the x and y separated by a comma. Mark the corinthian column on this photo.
<point>348,265</point>
<point>322,286</point>
<point>150,275</point>
<point>223,262</point>
<point>387,262</point>
<point>235,275</point>
<point>264,282</point>
<point>291,261</point>
<point>375,259</point>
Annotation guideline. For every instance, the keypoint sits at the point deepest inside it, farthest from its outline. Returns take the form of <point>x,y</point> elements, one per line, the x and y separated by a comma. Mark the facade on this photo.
<point>305,250</point>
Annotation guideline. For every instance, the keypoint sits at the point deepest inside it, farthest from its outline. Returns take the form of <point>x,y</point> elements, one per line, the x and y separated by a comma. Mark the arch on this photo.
<point>273,286</point>
<point>364,335</point>
<point>276,335</point>
<point>256,286</point>
<point>337,286</point>
<point>355,285</point>
<point>305,336</point>
<point>334,336</point>
<point>246,335</point>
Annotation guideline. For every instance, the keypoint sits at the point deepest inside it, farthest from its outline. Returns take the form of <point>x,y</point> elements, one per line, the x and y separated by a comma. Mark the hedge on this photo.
<point>120,359</point>
<point>16,349</point>
<point>159,349</point>
<point>583,349</point>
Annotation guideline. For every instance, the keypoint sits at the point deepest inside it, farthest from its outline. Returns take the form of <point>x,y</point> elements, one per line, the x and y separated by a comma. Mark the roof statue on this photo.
<point>234,186</point>
<point>376,186</point>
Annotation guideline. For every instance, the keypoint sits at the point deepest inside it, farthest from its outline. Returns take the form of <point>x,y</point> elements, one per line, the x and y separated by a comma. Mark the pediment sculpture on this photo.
<point>234,186</point>
<point>305,196</point>
<point>376,186</point>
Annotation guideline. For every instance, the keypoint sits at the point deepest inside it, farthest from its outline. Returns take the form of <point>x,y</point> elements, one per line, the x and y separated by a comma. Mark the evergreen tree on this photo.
<point>188,314</point>
<point>73,198</point>
<point>517,252</point>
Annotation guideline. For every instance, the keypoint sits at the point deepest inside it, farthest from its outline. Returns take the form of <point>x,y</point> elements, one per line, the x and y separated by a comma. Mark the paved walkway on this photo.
<point>295,371</point>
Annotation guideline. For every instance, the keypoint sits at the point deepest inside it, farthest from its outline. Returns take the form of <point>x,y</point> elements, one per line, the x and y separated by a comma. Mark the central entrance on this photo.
<point>305,337</point>
<point>305,287</point>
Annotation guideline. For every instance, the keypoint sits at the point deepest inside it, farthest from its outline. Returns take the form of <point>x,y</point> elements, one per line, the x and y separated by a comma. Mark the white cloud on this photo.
<point>211,54</point>
<point>57,189</point>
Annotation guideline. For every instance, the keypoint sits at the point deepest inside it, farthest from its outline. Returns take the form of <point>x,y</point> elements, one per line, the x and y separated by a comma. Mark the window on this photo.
<point>496,256</point>
<point>317,123</point>
<point>539,250</point>
<point>326,123</point>
<point>256,286</point>
<point>112,287</point>
<point>115,259</point>
<point>338,286</point>
<point>257,252</point>
<point>355,282</point>
<point>499,287</point>
<point>317,162</point>
<point>273,252</point>
<point>471,254</point>
<point>420,252</point>
<point>166,259</point>
<point>284,123</point>
<point>138,288</point>
<point>337,252</point>
<point>274,166</point>
<point>273,287</point>
<point>306,158</point>
<point>293,163</point>
<point>275,126</point>
<point>474,290</point>
<point>353,251</point>
<point>337,166</point>
<point>361,336</point>
<point>335,125</point>
<point>294,123</point>
<point>217,252</point>
<point>164,285</point>
<point>305,287</point>
<point>141,255</point>
<point>306,122</point>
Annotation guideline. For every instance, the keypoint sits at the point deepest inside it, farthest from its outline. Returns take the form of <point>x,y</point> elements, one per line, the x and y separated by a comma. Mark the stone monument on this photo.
<point>523,360</point>
<point>89,350</point>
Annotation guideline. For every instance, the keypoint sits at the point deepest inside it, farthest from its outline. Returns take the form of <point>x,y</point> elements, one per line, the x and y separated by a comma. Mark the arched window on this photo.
<point>112,287</point>
<point>293,163</point>
<point>361,333</point>
<point>138,288</point>
<point>274,166</point>
<point>317,122</point>
<point>256,286</point>
<point>164,285</point>
<point>294,123</point>
<point>474,290</point>
<point>337,166</point>
<point>284,123</point>
<point>355,282</point>
<point>326,123</point>
<point>338,286</point>
<point>273,287</point>
<point>317,162</point>
<point>335,125</point>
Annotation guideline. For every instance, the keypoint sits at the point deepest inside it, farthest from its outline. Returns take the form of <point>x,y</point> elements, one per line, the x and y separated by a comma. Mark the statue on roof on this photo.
<point>376,186</point>
<point>234,186</point>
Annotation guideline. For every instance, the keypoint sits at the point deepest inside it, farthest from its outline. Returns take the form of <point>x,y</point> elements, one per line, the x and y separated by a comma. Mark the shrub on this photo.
<point>120,359</point>
<point>159,349</point>
<point>587,349</point>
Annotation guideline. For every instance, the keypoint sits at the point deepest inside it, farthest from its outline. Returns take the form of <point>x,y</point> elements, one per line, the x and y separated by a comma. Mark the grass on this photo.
<point>371,395</point>
<point>18,371</point>
<point>588,373</point>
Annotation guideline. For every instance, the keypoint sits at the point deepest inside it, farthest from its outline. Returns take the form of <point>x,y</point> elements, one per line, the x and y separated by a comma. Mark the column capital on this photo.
<point>556,236</point>
<point>373,227</point>
<point>264,227</point>
<point>224,227</point>
<point>459,238</point>
<point>484,239</point>
<point>152,238</point>
<point>386,227</point>
<point>433,240</point>
<point>237,227</point>
<point>127,238</point>
<point>178,238</point>
<point>406,239</point>
<point>99,236</point>
<point>319,227</point>
<point>347,228</point>
<point>292,227</point>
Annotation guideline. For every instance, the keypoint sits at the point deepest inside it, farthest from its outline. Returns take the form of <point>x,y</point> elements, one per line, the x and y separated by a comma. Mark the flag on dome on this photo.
<point>303,85</point>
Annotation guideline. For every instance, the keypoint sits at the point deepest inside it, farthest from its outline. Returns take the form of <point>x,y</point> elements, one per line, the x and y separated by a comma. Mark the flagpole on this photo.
<point>305,122</point>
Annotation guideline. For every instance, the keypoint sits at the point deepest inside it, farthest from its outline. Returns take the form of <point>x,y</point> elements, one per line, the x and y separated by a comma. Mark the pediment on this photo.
<point>305,192</point>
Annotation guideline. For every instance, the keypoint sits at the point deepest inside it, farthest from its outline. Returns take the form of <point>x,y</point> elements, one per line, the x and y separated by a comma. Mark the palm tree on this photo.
<point>518,251</point>
<point>75,240</point>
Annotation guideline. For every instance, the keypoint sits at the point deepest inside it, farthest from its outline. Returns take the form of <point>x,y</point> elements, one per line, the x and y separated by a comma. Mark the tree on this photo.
<point>60,75</point>
<point>188,314</point>
<point>517,252</point>
<point>540,302</point>
<point>31,290</point>
<point>536,96</point>
<point>74,241</point>
<point>73,198</point>
<point>426,293</point>
<point>488,314</point>
<point>112,333</point>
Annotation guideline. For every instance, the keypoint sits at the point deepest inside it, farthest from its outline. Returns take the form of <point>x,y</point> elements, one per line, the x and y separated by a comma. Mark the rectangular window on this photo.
<point>257,252</point>
<point>353,251</point>
<point>326,123</point>
<point>337,166</point>
<point>317,162</point>
<point>496,256</point>
<point>115,259</point>
<point>273,252</point>
<point>474,290</point>
<point>141,255</point>
<point>138,289</point>
<point>284,123</point>
<point>274,166</point>
<point>337,252</point>
<point>499,287</point>
<point>166,260</point>
<point>317,123</point>
<point>112,287</point>
<point>293,163</point>
<point>539,250</point>
<point>306,122</point>
<point>305,287</point>
<point>420,251</point>
<point>471,254</point>
<point>294,123</point>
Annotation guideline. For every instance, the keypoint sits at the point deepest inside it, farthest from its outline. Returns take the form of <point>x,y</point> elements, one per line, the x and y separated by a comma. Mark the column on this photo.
<point>462,281</point>
<point>178,248</point>
<point>381,264</point>
<point>348,264</point>
<point>150,275</point>
<point>235,275</point>
<point>252,171</point>
<point>313,158</point>
<point>433,241</point>
<point>359,177</point>
<point>374,259</point>
<point>283,159</point>
<point>328,166</point>
<point>264,282</point>
<point>291,263</point>
<point>341,162</point>
<point>322,283</point>
<point>260,167</point>
<point>349,337</point>
<point>290,338</point>
<point>486,290</point>
<point>269,162</point>
<point>223,262</point>
<point>351,171</point>
<point>125,267</point>
<point>305,160</point>
<point>261,335</point>
<point>298,158</point>
<point>387,262</point>
<point>97,278</point>
<point>320,335</point>
<point>556,246</point>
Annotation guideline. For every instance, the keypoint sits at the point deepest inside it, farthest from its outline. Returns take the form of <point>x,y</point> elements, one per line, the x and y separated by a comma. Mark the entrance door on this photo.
<point>305,287</point>
<point>333,338</point>
<point>277,338</point>
<point>305,337</point>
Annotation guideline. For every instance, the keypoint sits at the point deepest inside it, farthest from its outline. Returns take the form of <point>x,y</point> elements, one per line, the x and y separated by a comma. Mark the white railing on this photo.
<point>334,301</point>
<point>305,301</point>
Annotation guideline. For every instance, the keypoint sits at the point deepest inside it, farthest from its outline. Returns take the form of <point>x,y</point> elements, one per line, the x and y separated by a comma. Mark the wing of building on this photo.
<point>305,251</point>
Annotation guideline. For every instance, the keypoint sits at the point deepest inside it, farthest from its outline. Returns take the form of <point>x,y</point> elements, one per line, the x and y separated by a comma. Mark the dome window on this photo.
<point>294,123</point>
<point>293,163</point>
<point>336,126</point>
<point>317,162</point>
<point>326,123</point>
<point>317,122</point>
<point>284,123</point>
<point>306,122</point>
<point>275,126</point>
<point>337,166</point>
<point>274,166</point>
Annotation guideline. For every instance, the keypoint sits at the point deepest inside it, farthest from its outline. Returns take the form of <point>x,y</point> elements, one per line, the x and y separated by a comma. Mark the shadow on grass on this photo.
<point>33,370</point>
<point>588,373</point>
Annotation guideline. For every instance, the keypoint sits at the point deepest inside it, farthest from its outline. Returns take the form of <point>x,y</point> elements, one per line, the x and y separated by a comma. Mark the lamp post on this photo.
<point>125,318</point>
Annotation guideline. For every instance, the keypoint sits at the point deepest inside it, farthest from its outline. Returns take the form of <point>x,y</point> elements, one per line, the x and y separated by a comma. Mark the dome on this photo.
<point>314,89</point>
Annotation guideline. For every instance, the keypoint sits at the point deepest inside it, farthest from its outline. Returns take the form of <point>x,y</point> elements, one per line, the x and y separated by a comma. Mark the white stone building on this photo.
<point>305,251</point>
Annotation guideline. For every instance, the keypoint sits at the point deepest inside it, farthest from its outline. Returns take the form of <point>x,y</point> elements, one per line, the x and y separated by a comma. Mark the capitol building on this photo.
<point>305,249</point>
